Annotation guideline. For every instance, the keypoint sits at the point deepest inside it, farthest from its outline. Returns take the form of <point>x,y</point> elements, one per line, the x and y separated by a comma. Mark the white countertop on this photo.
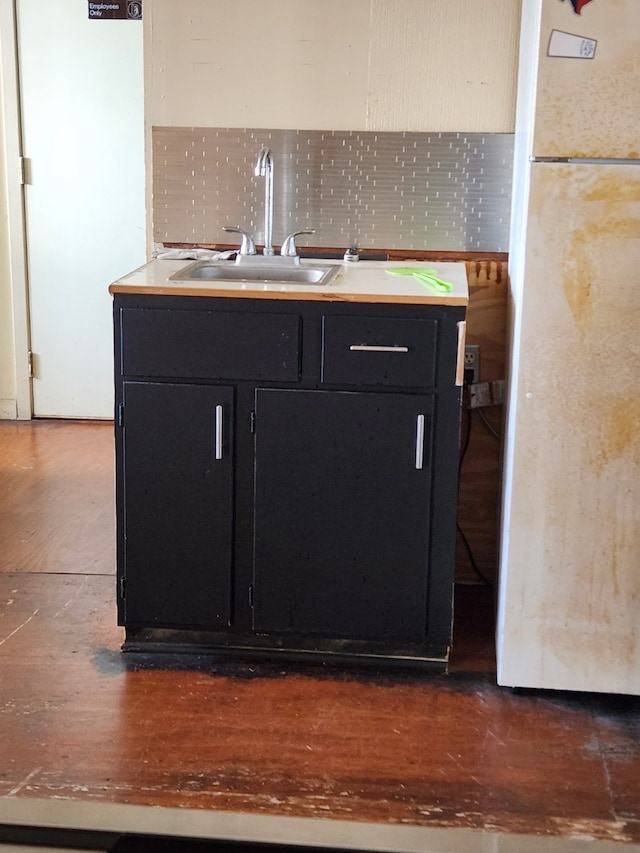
<point>362,281</point>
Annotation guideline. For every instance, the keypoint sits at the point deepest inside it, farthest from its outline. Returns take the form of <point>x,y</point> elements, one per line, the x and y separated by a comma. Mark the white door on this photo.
<point>83,137</point>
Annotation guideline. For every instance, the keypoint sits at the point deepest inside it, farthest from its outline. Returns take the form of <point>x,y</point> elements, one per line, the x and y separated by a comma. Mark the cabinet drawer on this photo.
<point>210,344</point>
<point>379,351</point>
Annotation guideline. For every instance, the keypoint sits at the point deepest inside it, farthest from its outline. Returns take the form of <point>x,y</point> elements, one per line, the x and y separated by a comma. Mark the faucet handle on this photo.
<point>288,248</point>
<point>247,247</point>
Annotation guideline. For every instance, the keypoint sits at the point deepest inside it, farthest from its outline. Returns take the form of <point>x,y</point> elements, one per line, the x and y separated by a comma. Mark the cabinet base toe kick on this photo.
<point>160,645</point>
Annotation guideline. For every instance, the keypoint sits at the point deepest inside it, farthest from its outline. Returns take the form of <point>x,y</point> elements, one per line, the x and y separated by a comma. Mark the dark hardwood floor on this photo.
<point>81,721</point>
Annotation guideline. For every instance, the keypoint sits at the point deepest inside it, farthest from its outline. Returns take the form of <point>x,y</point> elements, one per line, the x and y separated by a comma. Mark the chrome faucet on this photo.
<point>247,252</point>
<point>264,169</point>
<point>288,248</point>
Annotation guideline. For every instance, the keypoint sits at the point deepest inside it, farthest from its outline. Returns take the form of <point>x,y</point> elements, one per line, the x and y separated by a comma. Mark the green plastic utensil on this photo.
<point>424,276</point>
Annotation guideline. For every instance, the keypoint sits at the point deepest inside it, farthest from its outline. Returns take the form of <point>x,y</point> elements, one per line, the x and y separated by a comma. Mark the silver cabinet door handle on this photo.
<point>419,442</point>
<point>219,434</point>
<point>373,348</point>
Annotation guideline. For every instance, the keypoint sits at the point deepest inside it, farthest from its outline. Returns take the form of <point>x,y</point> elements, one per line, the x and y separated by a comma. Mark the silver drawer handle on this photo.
<point>367,348</point>
<point>218,432</point>
<point>419,442</point>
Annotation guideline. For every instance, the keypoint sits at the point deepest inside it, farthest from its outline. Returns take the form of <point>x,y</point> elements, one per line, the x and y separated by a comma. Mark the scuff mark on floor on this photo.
<point>17,788</point>
<point>72,599</point>
<point>19,628</point>
<point>616,830</point>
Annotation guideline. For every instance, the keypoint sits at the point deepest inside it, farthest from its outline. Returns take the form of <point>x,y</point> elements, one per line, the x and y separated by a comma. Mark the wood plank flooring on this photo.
<point>80,721</point>
<point>57,510</point>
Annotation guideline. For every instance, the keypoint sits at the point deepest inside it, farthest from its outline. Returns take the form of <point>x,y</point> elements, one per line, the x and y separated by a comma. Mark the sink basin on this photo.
<point>318,274</point>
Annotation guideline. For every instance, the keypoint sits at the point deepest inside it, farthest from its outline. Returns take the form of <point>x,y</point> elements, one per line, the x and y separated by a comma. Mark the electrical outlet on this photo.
<point>471,364</point>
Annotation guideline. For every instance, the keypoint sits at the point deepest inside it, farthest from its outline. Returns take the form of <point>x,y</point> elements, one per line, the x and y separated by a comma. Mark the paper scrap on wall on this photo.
<point>578,5</point>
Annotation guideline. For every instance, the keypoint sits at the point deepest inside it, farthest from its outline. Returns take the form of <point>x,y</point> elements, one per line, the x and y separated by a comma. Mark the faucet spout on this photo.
<point>264,169</point>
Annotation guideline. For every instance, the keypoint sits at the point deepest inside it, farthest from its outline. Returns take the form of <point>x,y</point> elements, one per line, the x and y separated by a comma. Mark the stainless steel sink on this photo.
<point>318,274</point>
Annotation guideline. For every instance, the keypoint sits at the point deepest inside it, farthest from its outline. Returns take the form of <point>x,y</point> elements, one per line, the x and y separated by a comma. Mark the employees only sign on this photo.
<point>122,10</point>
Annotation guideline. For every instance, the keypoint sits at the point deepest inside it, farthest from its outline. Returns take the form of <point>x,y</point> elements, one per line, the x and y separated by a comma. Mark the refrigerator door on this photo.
<point>588,101</point>
<point>569,611</point>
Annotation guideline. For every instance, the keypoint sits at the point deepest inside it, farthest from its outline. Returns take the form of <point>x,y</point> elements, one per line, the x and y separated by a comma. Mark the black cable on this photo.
<point>465,444</point>
<point>494,432</point>
<point>463,451</point>
<point>472,560</point>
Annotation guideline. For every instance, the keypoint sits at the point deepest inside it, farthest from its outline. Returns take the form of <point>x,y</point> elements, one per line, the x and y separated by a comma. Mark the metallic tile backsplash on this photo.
<point>429,191</point>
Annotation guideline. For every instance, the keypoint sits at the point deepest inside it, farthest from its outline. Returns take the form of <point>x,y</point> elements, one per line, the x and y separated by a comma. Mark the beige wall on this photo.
<point>421,65</point>
<point>436,65</point>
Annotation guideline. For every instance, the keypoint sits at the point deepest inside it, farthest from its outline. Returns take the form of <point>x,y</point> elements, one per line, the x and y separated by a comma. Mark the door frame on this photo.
<point>12,140</point>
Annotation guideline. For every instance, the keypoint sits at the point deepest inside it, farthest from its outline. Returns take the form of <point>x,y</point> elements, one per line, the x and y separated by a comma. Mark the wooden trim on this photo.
<point>297,295</point>
<point>366,254</point>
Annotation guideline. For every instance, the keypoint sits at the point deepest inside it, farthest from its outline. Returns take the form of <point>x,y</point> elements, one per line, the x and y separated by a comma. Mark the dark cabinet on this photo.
<point>176,536</point>
<point>379,351</point>
<point>286,476</point>
<point>342,493</point>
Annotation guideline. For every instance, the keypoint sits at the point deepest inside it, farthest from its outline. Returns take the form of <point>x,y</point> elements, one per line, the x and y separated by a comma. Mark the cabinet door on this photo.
<point>178,491</point>
<point>342,505</point>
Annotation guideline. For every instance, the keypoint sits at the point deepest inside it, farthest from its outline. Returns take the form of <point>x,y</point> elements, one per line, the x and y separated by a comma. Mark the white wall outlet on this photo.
<point>471,364</point>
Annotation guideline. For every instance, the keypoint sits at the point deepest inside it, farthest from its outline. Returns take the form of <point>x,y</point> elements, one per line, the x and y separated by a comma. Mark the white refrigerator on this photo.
<point>569,589</point>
